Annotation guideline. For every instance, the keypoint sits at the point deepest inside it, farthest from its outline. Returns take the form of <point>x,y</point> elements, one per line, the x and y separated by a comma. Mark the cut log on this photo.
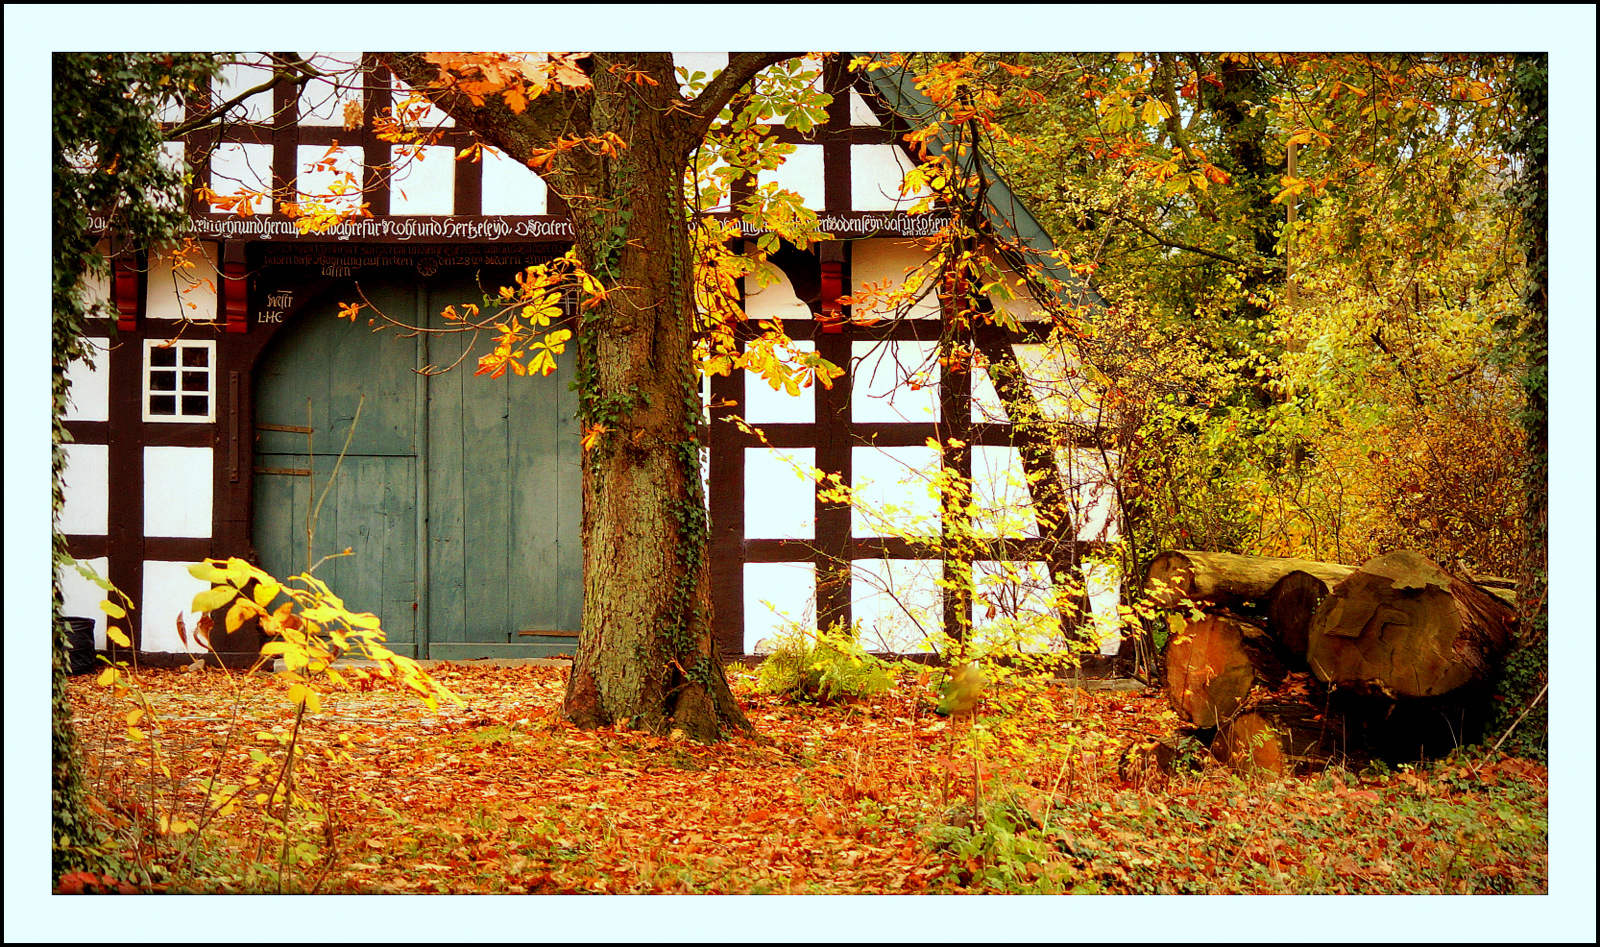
<point>1290,604</point>
<point>1209,672</point>
<point>1401,627</point>
<point>1176,578</point>
<point>1276,740</point>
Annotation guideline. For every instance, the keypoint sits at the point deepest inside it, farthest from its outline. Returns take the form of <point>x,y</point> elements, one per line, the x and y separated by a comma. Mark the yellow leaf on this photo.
<point>242,609</point>
<point>1154,111</point>
<point>106,677</point>
<point>135,715</point>
<point>115,634</point>
<point>266,592</point>
<point>113,609</point>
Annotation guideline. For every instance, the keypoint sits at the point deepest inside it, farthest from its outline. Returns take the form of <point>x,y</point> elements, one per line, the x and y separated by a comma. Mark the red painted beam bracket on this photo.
<point>125,292</point>
<point>235,301</point>
<point>832,289</point>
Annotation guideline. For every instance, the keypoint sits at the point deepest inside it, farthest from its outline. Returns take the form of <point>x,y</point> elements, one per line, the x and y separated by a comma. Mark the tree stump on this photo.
<point>1275,740</point>
<point>1401,627</point>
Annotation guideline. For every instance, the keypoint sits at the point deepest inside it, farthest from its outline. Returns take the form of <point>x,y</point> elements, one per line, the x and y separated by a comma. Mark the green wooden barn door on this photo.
<point>504,562</point>
<point>493,463</point>
<point>318,374</point>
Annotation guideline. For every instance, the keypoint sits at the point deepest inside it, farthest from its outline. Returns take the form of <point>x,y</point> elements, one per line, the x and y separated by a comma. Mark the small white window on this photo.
<point>180,381</point>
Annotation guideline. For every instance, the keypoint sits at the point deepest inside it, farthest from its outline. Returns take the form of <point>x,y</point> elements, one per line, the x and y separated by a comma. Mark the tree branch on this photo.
<point>285,70</point>
<point>741,68</point>
<point>517,134</point>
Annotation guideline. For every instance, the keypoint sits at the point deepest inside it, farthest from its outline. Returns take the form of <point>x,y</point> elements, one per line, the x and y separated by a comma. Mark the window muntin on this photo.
<point>180,381</point>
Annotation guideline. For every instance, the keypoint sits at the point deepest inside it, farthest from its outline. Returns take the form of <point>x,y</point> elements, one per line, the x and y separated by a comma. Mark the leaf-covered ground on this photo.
<point>875,797</point>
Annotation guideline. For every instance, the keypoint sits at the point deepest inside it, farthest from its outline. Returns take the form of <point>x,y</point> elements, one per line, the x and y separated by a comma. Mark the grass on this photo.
<point>878,796</point>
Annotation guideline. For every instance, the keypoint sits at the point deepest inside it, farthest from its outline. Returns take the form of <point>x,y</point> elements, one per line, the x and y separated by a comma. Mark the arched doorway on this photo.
<point>459,495</point>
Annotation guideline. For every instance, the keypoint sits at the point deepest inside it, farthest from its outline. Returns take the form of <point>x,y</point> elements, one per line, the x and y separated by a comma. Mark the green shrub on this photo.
<point>822,666</point>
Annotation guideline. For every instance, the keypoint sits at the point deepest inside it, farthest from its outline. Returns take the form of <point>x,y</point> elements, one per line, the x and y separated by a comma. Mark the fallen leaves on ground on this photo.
<point>871,797</point>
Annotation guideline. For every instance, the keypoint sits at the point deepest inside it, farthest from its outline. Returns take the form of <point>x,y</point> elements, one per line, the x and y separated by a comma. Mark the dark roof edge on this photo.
<point>1007,214</point>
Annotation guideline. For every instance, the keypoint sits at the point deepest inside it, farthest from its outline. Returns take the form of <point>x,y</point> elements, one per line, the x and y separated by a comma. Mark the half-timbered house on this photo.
<point>230,413</point>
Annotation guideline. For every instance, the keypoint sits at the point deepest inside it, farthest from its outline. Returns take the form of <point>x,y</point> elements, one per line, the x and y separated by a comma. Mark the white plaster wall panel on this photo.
<point>1055,381</point>
<point>777,595</point>
<point>880,260</point>
<point>338,186</point>
<point>1022,307</point>
<point>425,182</point>
<point>81,598</point>
<point>894,381</point>
<point>987,408</point>
<point>170,110</point>
<point>510,187</point>
<point>322,100</point>
<point>169,590</point>
<point>1095,494</point>
<point>712,191</point>
<point>764,405</point>
<point>780,493</point>
<point>239,167</point>
<point>1022,597</point>
<point>184,291</point>
<point>892,491</point>
<point>171,157</point>
<point>96,287</point>
<point>1100,579</point>
<point>85,485</point>
<point>775,300</point>
<point>1000,494</point>
<point>861,114</point>
<point>177,491</point>
<point>691,63</point>
<point>876,173</point>
<point>250,71</point>
<point>897,602</point>
<point>90,381</point>
<point>421,114</point>
<point>801,172</point>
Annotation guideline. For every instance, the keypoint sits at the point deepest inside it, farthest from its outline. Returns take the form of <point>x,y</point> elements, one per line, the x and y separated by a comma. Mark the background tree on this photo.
<point>105,162</point>
<point>1351,410</point>
<point>1527,670</point>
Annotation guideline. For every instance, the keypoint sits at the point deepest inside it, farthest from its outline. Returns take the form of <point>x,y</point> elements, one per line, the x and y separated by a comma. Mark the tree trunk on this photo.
<point>646,657</point>
<point>1224,579</point>
<point>1401,627</point>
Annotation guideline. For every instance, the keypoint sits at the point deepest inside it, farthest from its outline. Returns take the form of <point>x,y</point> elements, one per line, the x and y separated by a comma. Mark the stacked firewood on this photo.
<point>1287,665</point>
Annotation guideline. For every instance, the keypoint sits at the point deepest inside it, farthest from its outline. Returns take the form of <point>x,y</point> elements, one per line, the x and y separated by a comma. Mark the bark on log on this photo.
<point>1275,740</point>
<point>1400,626</point>
<point>1177,577</point>
<point>1211,665</point>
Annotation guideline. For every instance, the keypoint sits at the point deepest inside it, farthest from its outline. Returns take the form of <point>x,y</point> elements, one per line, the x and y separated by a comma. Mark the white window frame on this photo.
<point>178,392</point>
